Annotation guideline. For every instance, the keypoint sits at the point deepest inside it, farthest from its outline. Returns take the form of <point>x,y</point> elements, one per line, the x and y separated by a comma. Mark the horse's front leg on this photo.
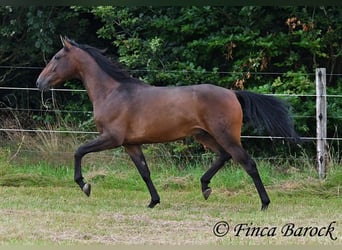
<point>138,158</point>
<point>99,144</point>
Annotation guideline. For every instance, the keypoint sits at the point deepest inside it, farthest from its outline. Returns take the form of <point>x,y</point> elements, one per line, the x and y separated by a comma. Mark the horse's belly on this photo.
<point>161,132</point>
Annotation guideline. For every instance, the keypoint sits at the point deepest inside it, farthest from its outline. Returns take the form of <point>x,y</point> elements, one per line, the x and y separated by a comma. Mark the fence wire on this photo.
<point>26,89</point>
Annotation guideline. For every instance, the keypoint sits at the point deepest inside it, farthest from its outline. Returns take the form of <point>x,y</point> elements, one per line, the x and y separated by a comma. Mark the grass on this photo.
<point>41,205</point>
<point>35,215</point>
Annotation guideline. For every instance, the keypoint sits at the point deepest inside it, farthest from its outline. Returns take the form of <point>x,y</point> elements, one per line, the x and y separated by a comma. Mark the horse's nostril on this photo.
<point>39,85</point>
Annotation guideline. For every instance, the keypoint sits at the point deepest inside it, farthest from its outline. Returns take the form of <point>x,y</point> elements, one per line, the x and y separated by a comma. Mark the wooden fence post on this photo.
<point>321,118</point>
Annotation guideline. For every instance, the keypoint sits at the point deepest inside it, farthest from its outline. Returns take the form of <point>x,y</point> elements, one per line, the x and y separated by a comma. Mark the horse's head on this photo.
<point>61,67</point>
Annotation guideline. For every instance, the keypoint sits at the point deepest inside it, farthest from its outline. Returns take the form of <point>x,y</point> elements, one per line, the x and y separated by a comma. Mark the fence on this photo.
<point>321,116</point>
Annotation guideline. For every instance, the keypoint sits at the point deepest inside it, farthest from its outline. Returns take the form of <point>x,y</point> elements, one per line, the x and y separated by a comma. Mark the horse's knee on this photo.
<point>78,154</point>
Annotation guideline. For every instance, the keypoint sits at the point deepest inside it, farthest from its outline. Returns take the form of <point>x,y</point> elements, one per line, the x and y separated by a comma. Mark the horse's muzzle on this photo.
<point>42,85</point>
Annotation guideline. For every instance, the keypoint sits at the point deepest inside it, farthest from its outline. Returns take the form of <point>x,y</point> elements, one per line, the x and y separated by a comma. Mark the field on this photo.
<point>40,204</point>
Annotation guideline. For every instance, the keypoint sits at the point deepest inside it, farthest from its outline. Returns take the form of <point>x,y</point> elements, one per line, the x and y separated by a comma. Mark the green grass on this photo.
<point>40,203</point>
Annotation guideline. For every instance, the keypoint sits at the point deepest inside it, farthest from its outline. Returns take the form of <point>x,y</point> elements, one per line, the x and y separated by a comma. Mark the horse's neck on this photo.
<point>98,85</point>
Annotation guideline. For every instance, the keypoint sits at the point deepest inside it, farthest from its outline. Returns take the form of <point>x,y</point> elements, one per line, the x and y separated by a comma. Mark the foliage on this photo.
<point>264,49</point>
<point>182,46</point>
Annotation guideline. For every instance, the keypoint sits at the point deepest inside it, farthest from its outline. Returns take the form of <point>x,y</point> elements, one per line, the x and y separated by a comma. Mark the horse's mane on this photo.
<point>113,69</point>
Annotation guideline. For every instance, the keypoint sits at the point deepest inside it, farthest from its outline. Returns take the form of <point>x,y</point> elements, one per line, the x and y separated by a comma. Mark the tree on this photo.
<point>264,49</point>
<point>29,36</point>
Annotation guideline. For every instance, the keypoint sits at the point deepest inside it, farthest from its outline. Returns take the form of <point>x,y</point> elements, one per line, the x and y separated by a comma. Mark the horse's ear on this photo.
<point>66,43</point>
<point>62,39</point>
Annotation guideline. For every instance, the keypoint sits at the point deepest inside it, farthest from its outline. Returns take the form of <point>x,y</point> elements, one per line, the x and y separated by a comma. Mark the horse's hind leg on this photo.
<point>215,167</point>
<point>208,141</point>
<point>138,158</point>
<point>240,155</point>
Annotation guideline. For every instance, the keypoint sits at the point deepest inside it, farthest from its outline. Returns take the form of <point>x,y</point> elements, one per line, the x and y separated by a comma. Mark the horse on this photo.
<point>129,112</point>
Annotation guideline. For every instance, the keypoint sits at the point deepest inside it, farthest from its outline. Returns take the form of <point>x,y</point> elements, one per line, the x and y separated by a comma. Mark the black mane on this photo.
<point>113,69</point>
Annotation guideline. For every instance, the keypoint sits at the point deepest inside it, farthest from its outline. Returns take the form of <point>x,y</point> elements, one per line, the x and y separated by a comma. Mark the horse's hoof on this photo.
<point>87,189</point>
<point>264,206</point>
<point>206,193</point>
<point>153,203</point>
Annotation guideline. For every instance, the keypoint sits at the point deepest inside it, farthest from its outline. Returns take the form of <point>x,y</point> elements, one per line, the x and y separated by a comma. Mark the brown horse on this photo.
<point>129,113</point>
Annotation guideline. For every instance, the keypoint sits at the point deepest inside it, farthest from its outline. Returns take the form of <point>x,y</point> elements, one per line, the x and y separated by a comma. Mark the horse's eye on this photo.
<point>57,57</point>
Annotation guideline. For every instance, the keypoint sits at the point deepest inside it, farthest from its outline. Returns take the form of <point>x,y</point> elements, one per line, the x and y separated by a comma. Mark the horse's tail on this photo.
<point>267,113</point>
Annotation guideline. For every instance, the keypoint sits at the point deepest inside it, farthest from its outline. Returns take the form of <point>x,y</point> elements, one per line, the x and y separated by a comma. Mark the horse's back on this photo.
<point>193,100</point>
<point>212,92</point>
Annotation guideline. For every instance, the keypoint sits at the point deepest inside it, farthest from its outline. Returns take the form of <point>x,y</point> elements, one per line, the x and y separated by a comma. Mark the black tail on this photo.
<point>267,113</point>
